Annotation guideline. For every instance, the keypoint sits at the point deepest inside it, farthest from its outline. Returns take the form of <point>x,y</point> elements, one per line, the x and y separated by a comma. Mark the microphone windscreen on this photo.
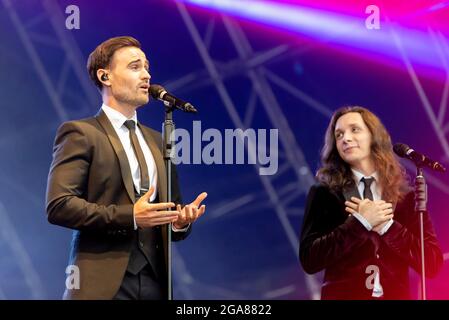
<point>401,149</point>
<point>155,90</point>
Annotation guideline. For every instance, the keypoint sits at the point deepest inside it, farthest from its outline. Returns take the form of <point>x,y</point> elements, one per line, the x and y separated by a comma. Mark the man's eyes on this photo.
<point>340,134</point>
<point>137,67</point>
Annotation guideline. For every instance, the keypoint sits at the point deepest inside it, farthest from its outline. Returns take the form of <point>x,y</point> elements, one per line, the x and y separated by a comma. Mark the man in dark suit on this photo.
<point>360,225</point>
<point>107,182</point>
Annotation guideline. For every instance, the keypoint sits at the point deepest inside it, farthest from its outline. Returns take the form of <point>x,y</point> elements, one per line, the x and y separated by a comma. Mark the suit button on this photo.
<point>157,246</point>
<point>377,256</point>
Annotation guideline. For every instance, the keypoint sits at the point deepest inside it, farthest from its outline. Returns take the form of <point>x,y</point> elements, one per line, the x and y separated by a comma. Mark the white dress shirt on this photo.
<point>118,122</point>
<point>376,191</point>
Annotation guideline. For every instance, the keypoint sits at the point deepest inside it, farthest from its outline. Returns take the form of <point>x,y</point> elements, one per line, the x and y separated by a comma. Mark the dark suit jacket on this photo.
<point>335,241</point>
<point>90,190</point>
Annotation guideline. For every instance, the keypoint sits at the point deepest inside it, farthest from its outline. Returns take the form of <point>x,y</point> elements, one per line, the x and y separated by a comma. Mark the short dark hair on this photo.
<point>101,57</point>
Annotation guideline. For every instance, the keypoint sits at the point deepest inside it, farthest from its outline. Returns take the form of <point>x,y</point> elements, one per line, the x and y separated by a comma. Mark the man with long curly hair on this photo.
<point>360,224</point>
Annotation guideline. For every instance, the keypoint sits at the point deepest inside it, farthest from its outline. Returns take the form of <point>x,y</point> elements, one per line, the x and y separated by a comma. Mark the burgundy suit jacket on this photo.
<point>334,241</point>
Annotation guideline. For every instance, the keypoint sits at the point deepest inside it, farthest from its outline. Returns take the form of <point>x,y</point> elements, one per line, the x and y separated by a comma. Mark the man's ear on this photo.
<point>103,77</point>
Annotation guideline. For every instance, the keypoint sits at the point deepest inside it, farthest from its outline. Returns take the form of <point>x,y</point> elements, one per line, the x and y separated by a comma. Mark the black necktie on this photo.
<point>367,194</point>
<point>144,177</point>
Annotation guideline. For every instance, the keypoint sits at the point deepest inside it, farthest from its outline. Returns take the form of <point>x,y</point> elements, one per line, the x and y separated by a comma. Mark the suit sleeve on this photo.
<point>67,187</point>
<point>404,240</point>
<point>323,243</point>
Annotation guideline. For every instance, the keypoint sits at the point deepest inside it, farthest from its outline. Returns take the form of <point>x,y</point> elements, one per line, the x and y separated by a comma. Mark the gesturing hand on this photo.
<point>153,214</point>
<point>191,212</point>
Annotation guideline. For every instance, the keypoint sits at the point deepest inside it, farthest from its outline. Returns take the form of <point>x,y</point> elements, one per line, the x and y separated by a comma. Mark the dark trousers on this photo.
<point>141,286</point>
<point>140,282</point>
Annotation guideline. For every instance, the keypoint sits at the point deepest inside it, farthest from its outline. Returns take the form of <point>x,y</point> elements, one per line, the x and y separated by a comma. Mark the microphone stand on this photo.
<point>421,207</point>
<point>167,146</point>
<point>168,129</point>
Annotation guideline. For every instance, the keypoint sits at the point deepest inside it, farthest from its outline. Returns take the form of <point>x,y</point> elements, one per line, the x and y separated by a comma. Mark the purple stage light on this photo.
<point>391,41</point>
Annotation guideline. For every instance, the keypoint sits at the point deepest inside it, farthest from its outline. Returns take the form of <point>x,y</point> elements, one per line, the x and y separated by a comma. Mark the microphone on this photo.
<point>404,151</point>
<point>158,92</point>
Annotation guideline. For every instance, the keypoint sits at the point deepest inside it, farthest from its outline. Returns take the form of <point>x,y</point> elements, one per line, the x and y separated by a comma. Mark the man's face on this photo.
<point>129,76</point>
<point>353,139</point>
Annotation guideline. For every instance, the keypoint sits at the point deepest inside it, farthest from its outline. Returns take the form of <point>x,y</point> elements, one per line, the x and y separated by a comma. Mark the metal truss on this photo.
<point>62,41</point>
<point>437,115</point>
<point>254,66</point>
<point>59,40</point>
<point>19,260</point>
<point>293,166</point>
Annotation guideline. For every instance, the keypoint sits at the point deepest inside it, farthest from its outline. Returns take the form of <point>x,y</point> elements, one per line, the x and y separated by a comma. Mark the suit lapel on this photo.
<point>351,192</point>
<point>161,178</point>
<point>121,155</point>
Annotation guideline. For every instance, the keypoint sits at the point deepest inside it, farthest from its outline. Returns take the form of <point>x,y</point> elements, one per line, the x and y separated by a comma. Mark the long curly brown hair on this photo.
<point>337,174</point>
